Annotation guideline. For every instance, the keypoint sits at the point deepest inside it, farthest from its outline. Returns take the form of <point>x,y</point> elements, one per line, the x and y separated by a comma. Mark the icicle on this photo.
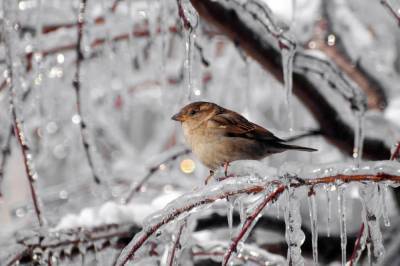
<point>372,213</point>
<point>328,198</point>
<point>294,235</point>
<point>277,210</point>
<point>189,44</point>
<point>383,190</point>
<point>242,211</point>
<point>314,226</point>
<point>342,221</point>
<point>369,254</point>
<point>229,214</point>
<point>358,137</point>
<point>287,52</point>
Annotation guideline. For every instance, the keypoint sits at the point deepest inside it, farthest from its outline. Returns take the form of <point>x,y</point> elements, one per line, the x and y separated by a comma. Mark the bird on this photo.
<point>218,136</point>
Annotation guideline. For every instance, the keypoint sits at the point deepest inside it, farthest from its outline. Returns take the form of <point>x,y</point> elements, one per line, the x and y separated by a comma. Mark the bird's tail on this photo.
<point>295,147</point>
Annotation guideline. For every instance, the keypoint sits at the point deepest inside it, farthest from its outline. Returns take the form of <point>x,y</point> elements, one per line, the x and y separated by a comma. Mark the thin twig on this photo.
<point>64,239</point>
<point>16,120</point>
<point>249,222</point>
<point>152,170</point>
<point>176,244</point>
<point>357,246</point>
<point>77,85</point>
<point>391,10</point>
<point>396,154</point>
<point>185,21</point>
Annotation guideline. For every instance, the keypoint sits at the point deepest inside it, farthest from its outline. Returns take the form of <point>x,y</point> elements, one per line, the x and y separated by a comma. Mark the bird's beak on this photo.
<point>177,117</point>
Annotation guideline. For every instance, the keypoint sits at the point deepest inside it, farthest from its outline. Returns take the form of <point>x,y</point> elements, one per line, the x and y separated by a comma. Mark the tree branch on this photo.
<point>77,85</point>
<point>226,189</point>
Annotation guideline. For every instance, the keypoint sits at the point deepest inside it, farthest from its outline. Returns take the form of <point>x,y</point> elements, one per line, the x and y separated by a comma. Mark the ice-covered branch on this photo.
<point>181,207</point>
<point>152,170</point>
<point>395,13</point>
<point>250,221</point>
<point>234,20</point>
<point>396,154</point>
<point>77,82</point>
<point>176,245</point>
<point>60,241</point>
<point>10,30</point>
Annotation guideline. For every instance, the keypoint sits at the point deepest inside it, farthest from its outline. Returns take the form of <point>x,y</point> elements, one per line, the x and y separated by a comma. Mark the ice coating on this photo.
<point>294,235</point>
<point>342,222</point>
<point>314,226</point>
<point>288,52</point>
<point>182,206</point>
<point>373,213</point>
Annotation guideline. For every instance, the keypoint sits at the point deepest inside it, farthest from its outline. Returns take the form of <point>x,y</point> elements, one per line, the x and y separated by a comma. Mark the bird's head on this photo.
<point>196,112</point>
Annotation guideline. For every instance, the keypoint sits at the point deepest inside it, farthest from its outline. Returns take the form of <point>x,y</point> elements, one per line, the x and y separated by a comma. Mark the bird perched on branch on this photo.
<point>218,136</point>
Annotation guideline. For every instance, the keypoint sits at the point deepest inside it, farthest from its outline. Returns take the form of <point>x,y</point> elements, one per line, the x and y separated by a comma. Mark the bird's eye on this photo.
<point>192,112</point>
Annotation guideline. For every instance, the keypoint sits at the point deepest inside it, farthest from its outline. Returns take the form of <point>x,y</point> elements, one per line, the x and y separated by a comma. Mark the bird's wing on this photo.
<point>233,124</point>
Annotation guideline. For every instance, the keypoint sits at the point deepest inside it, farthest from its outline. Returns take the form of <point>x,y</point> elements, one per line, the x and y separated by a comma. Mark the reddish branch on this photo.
<point>176,244</point>
<point>145,235</point>
<point>181,12</point>
<point>396,153</point>
<point>67,238</point>
<point>17,121</point>
<point>357,246</point>
<point>133,247</point>
<point>336,130</point>
<point>375,94</point>
<point>77,85</point>
<point>250,220</point>
<point>395,13</point>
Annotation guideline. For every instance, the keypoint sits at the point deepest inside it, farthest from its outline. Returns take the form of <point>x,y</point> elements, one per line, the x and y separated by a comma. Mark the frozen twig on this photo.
<point>395,13</point>
<point>172,212</point>
<point>77,85</point>
<point>250,220</point>
<point>396,154</point>
<point>130,250</point>
<point>357,247</point>
<point>17,122</point>
<point>181,12</point>
<point>152,170</point>
<point>176,244</point>
<point>64,239</point>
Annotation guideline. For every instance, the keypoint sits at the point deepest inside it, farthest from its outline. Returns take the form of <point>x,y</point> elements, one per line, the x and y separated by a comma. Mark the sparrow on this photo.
<point>218,136</point>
